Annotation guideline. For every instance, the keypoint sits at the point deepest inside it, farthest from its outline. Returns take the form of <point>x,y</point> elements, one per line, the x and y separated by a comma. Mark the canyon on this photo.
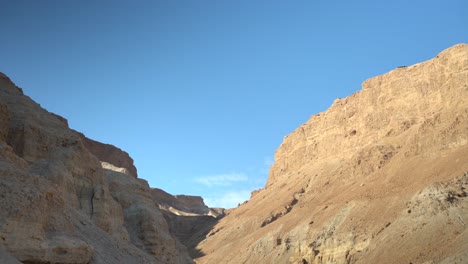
<point>379,177</point>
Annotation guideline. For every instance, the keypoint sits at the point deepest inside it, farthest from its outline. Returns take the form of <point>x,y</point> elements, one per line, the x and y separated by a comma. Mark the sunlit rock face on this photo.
<point>380,177</point>
<point>67,199</point>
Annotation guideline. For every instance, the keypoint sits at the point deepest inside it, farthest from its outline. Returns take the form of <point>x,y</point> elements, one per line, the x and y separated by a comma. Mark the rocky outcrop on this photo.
<point>190,229</point>
<point>110,156</point>
<point>380,177</point>
<point>7,258</point>
<point>184,204</point>
<point>58,205</point>
<point>144,222</point>
<point>189,219</point>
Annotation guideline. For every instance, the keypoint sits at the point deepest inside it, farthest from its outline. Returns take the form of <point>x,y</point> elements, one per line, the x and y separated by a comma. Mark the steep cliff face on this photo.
<point>380,177</point>
<point>188,217</point>
<point>58,205</point>
<point>110,156</point>
<point>184,204</point>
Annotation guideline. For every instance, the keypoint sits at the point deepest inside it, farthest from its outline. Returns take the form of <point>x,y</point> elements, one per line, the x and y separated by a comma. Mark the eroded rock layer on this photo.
<point>59,205</point>
<point>189,219</point>
<point>380,177</point>
<point>110,156</point>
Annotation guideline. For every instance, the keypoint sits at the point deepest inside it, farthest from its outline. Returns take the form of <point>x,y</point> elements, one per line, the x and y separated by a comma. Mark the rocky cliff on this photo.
<point>65,199</point>
<point>380,177</point>
<point>184,204</point>
<point>189,219</point>
<point>110,156</point>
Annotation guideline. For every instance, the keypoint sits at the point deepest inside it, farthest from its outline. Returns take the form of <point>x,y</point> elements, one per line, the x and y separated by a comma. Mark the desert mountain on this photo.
<point>65,198</point>
<point>380,177</point>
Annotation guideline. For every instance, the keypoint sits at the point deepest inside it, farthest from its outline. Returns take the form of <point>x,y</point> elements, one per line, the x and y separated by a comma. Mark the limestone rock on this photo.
<point>61,119</point>
<point>7,258</point>
<point>146,225</point>
<point>62,250</point>
<point>380,177</point>
<point>109,166</point>
<point>112,155</point>
<point>188,217</point>
<point>190,229</point>
<point>4,122</point>
<point>193,204</point>
<point>184,204</point>
<point>58,205</point>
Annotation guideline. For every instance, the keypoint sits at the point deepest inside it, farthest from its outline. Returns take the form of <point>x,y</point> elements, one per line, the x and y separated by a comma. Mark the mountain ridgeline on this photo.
<point>65,198</point>
<point>379,177</point>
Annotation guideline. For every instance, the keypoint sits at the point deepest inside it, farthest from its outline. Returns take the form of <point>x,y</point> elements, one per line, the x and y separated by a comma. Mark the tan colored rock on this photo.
<point>61,119</point>
<point>380,177</point>
<point>7,258</point>
<point>193,203</point>
<point>188,217</point>
<point>58,205</point>
<point>184,204</point>
<point>111,155</point>
<point>63,250</point>
<point>4,122</point>
<point>190,229</point>
<point>146,225</point>
<point>109,166</point>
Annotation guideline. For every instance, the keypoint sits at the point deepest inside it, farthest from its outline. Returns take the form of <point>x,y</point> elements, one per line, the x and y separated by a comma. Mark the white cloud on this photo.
<point>229,199</point>
<point>222,179</point>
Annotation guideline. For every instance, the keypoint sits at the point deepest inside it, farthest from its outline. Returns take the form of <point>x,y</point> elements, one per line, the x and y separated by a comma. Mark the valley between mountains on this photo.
<point>379,177</point>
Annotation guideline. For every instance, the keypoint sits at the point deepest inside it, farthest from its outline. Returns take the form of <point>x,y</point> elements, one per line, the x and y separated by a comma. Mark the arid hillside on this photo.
<point>68,199</point>
<point>380,177</point>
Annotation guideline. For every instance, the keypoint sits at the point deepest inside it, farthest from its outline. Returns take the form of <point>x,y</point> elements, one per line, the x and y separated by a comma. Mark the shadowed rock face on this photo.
<point>189,219</point>
<point>184,204</point>
<point>59,205</point>
<point>113,157</point>
<point>380,177</point>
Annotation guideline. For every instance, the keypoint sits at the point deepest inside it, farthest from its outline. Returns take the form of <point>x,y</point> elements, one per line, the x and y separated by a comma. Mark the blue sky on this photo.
<point>201,93</point>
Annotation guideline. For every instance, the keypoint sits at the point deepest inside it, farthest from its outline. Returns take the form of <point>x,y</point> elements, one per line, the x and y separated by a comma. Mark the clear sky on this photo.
<point>201,93</point>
